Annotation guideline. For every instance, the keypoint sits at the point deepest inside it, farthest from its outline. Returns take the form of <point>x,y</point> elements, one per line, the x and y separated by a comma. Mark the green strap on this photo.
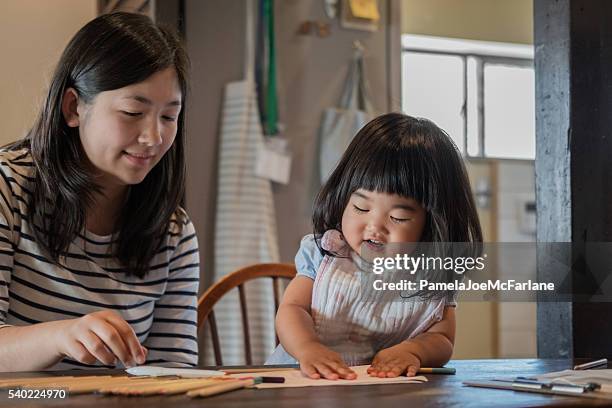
<point>271,99</point>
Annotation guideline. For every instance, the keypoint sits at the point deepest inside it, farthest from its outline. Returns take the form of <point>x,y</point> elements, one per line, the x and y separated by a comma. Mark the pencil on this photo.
<point>17,382</point>
<point>230,385</point>
<point>591,364</point>
<point>170,387</point>
<point>117,386</point>
<point>70,384</point>
<point>152,388</point>
<point>437,370</point>
<point>179,389</point>
<point>108,386</point>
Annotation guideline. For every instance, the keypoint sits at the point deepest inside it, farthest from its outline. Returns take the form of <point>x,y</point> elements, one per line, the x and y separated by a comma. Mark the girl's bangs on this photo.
<point>394,170</point>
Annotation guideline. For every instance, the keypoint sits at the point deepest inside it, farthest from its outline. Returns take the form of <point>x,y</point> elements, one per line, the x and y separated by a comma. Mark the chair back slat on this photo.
<point>276,303</point>
<point>275,290</point>
<point>233,280</point>
<point>245,325</point>
<point>215,338</point>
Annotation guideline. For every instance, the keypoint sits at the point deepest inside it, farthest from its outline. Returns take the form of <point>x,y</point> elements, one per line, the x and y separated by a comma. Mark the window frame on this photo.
<point>482,59</point>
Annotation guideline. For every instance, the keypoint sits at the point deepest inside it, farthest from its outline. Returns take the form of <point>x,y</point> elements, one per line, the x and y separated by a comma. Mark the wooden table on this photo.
<point>441,390</point>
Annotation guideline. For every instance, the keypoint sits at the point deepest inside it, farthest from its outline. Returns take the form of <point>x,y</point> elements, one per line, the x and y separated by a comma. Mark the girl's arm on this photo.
<point>435,346</point>
<point>294,323</point>
<point>295,329</point>
<point>432,348</point>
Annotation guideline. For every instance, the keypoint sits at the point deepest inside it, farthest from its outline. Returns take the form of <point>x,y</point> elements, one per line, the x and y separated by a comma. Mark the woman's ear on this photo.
<point>70,102</point>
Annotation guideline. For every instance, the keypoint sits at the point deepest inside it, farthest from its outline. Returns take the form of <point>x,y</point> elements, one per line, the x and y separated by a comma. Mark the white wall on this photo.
<point>311,71</point>
<point>517,320</point>
<point>33,34</point>
<point>477,322</point>
<point>486,330</point>
<point>488,20</point>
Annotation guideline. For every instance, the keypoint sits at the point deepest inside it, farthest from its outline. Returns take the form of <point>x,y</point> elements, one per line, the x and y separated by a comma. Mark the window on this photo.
<point>482,94</point>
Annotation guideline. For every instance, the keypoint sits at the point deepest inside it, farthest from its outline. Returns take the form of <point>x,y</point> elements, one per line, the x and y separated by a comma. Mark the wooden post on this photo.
<point>573,63</point>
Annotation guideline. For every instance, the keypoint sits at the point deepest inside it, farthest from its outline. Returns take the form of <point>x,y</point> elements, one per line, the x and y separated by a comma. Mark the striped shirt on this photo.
<point>161,307</point>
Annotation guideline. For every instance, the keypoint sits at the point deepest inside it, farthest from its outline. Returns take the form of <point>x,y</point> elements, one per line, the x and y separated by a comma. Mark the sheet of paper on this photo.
<point>600,376</point>
<point>294,379</point>
<point>367,9</point>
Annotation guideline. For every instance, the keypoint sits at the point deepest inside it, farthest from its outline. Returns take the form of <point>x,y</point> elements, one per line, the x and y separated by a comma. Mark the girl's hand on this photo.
<point>318,361</point>
<point>100,336</point>
<point>393,361</point>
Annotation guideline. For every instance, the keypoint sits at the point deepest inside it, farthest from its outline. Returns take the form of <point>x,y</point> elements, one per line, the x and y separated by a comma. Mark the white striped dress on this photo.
<point>161,307</point>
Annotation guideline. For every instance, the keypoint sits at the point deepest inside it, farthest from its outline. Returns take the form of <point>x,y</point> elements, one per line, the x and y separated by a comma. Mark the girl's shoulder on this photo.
<point>333,242</point>
<point>312,251</point>
<point>309,257</point>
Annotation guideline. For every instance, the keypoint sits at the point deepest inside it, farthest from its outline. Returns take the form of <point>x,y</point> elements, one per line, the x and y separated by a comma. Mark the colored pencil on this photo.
<point>437,370</point>
<point>226,386</point>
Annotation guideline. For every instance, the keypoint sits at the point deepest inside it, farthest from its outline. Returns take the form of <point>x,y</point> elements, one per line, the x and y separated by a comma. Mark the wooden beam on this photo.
<point>573,63</point>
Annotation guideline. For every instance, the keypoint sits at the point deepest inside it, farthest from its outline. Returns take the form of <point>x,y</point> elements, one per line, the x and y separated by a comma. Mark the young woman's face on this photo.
<point>372,219</point>
<point>126,131</point>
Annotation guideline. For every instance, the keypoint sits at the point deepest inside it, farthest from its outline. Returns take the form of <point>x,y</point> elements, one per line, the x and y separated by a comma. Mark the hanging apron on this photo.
<point>245,229</point>
<point>357,321</point>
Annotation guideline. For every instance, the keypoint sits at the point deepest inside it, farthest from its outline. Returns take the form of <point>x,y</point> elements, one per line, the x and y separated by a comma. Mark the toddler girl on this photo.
<point>401,180</point>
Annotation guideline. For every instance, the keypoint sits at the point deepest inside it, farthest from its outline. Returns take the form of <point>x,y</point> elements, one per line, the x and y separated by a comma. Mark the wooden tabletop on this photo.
<point>440,390</point>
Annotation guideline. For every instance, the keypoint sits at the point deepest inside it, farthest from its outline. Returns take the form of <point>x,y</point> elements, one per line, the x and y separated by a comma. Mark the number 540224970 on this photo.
<point>39,393</point>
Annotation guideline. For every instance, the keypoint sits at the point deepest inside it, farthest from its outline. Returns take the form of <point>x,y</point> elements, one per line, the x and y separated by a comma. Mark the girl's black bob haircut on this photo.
<point>411,157</point>
<point>110,52</point>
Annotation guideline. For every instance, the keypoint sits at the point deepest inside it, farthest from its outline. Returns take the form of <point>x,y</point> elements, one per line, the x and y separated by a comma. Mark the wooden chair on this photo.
<point>235,279</point>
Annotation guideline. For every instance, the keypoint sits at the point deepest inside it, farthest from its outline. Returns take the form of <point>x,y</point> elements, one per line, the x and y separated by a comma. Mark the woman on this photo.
<point>99,265</point>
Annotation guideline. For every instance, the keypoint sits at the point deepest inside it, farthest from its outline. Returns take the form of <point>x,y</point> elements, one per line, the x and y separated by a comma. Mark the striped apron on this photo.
<point>353,319</point>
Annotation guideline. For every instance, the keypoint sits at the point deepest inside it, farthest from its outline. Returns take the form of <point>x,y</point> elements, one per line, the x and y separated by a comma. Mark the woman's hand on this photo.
<point>393,361</point>
<point>100,336</point>
<point>318,361</point>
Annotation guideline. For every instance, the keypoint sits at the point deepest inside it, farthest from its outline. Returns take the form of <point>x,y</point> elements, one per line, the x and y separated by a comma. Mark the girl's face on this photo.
<point>126,131</point>
<point>372,219</point>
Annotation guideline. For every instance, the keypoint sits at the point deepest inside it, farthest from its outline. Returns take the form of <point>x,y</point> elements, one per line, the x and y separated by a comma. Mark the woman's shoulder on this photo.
<point>17,161</point>
<point>180,224</point>
<point>17,169</point>
<point>16,152</point>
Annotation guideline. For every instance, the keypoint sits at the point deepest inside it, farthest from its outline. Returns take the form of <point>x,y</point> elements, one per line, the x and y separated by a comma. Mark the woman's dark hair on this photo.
<point>110,52</point>
<point>410,157</point>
